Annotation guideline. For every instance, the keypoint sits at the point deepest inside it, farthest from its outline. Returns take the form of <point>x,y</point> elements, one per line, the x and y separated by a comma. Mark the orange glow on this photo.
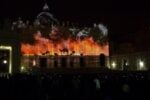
<point>86,46</point>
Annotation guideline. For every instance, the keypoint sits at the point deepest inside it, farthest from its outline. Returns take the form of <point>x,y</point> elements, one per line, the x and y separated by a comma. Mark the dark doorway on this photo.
<point>43,62</point>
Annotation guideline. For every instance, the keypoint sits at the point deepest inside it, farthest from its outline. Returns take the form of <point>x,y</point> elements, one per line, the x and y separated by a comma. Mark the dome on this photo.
<point>45,17</point>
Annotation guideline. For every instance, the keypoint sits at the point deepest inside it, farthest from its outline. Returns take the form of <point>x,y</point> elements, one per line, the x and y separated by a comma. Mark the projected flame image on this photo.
<point>85,41</point>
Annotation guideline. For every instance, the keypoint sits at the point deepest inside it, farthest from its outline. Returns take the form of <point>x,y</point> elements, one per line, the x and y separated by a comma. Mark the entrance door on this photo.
<point>5,59</point>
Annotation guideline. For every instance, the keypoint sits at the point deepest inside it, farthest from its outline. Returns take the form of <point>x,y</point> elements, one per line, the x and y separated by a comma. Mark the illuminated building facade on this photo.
<point>47,44</point>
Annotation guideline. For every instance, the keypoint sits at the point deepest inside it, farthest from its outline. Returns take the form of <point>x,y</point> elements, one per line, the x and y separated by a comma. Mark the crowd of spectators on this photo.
<point>94,86</point>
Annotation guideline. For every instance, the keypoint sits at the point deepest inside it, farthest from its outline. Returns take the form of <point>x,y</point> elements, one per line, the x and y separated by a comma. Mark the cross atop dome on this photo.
<point>46,7</point>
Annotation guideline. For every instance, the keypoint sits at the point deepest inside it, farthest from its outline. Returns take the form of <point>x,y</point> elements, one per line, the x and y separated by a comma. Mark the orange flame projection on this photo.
<point>87,46</point>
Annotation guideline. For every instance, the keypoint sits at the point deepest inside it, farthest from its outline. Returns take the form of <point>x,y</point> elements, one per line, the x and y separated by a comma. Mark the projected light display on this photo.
<point>38,47</point>
<point>91,41</point>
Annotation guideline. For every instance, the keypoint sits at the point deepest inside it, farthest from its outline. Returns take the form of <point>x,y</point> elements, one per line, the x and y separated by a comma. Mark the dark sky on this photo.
<point>120,16</point>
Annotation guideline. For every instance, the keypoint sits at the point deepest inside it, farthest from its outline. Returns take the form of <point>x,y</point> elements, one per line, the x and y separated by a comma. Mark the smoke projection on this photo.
<point>62,40</point>
<point>103,29</point>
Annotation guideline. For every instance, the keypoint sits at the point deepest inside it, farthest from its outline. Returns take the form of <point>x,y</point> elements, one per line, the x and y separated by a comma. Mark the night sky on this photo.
<point>121,16</point>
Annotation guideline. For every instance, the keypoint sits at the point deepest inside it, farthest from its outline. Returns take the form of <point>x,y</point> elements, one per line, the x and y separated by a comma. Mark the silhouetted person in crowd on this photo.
<point>97,87</point>
<point>125,65</point>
